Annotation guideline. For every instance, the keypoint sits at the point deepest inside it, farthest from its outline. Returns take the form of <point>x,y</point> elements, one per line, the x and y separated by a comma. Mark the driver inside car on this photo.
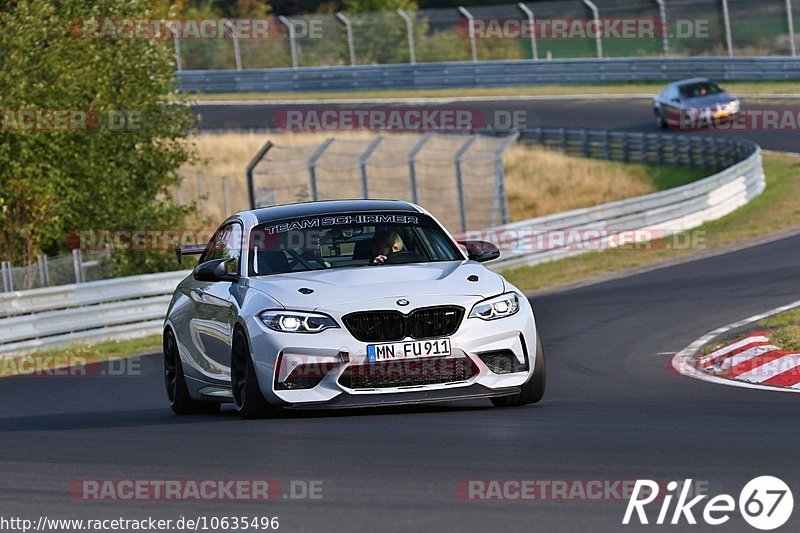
<point>384,244</point>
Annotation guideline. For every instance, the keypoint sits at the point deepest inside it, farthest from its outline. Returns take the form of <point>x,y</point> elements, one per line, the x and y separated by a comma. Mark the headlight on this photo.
<point>734,106</point>
<point>498,307</point>
<point>297,321</point>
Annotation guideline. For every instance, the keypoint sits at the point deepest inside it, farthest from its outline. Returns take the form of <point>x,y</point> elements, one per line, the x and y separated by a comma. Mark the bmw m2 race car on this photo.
<point>346,303</point>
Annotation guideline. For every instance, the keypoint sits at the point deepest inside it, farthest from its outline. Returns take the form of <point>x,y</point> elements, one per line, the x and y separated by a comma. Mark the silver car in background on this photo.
<point>694,103</point>
<point>346,304</point>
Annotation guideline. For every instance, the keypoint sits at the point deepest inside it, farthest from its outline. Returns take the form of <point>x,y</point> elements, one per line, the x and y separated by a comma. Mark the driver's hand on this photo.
<point>379,260</point>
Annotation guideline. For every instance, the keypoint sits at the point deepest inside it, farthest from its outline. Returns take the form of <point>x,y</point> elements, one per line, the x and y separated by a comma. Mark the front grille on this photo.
<point>422,323</point>
<point>408,373</point>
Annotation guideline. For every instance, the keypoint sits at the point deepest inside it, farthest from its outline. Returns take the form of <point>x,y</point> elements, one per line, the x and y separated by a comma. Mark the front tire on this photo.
<point>179,399</point>
<point>532,390</point>
<point>247,397</point>
<point>661,122</point>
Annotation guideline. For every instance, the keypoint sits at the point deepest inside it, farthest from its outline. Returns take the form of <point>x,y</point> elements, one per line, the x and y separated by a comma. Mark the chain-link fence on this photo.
<point>78,267</point>
<point>459,178</point>
<point>535,30</point>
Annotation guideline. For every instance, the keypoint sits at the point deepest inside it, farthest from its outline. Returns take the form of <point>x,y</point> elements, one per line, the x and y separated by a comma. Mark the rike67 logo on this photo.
<point>765,503</point>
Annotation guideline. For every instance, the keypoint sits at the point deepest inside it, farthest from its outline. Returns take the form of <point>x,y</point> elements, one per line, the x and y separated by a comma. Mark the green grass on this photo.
<point>775,210</point>
<point>79,354</point>
<point>784,329</point>
<point>777,87</point>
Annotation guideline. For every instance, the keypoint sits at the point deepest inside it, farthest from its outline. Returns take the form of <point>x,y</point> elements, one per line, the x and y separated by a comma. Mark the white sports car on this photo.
<point>346,304</point>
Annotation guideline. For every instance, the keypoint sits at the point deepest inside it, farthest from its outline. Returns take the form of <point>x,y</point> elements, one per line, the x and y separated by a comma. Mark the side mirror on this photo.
<point>480,251</point>
<point>216,270</point>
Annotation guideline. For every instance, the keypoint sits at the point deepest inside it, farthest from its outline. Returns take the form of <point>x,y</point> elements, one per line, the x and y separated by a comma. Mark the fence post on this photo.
<point>472,43</point>
<point>8,278</point>
<point>727,19</point>
<point>44,275</point>
<point>237,54</point>
<point>312,166</point>
<point>790,19</point>
<point>77,265</point>
<point>462,212</point>
<point>598,37</point>
<point>412,170</point>
<point>292,42</point>
<point>362,164</point>
<point>200,187</point>
<point>500,179</point>
<point>532,21</point>
<point>410,32</point>
<point>662,12</point>
<point>177,42</point>
<point>349,27</point>
<point>251,188</point>
<point>225,195</point>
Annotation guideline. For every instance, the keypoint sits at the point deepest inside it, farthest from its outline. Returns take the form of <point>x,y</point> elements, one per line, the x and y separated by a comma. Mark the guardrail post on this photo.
<point>562,138</point>
<point>292,41</point>
<point>77,265</point>
<point>8,279</point>
<point>312,166</point>
<point>607,145</point>
<point>472,43</point>
<point>598,37</point>
<point>662,13</point>
<point>237,55</point>
<point>412,170</point>
<point>412,56</point>
<point>790,19</point>
<point>585,143</point>
<point>177,43</point>
<point>532,21</point>
<point>362,164</point>
<point>727,19</point>
<point>251,188</point>
<point>350,44</point>
<point>462,212</point>
<point>44,273</point>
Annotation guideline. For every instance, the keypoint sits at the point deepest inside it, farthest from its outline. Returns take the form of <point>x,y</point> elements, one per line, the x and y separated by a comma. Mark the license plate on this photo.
<point>408,350</point>
<point>721,114</point>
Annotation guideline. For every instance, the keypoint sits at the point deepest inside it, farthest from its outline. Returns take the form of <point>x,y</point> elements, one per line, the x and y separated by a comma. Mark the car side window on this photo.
<point>225,244</point>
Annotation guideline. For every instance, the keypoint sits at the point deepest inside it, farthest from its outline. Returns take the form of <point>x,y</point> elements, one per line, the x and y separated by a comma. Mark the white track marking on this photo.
<point>771,369</point>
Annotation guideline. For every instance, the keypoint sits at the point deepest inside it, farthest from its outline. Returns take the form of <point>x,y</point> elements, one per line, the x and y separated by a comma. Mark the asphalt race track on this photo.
<point>629,114</point>
<point>613,411</point>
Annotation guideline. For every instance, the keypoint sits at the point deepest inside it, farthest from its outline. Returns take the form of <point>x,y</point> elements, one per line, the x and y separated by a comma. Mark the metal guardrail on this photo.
<point>531,242</point>
<point>134,306</point>
<point>112,309</point>
<point>488,74</point>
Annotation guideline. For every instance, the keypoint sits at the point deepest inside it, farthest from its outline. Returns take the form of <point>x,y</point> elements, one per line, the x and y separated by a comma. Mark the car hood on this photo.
<point>346,285</point>
<point>707,101</point>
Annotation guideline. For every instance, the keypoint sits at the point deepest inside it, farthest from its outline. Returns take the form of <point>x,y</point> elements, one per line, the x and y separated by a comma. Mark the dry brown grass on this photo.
<point>538,181</point>
<point>541,181</point>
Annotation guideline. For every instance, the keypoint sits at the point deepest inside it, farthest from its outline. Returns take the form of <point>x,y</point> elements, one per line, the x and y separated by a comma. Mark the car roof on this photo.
<point>328,207</point>
<point>690,81</point>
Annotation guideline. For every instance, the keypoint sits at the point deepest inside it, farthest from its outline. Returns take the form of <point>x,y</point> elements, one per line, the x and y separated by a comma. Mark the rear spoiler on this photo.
<point>192,249</point>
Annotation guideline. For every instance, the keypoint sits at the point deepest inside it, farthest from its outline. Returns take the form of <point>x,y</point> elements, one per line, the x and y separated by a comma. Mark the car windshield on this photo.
<point>695,90</point>
<point>347,240</point>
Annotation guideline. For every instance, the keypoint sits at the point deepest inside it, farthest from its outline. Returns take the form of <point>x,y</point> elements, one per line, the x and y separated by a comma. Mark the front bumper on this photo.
<point>331,358</point>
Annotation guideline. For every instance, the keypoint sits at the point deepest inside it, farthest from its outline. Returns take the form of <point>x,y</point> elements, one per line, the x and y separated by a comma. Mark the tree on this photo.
<point>113,170</point>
